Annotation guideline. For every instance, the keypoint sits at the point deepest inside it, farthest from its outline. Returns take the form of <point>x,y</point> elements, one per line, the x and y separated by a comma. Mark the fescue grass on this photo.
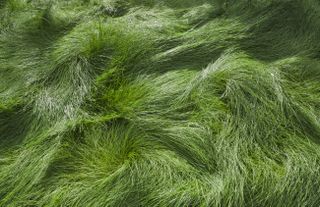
<point>159,103</point>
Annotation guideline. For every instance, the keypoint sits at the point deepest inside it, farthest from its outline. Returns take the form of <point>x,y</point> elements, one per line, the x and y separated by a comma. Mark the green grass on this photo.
<point>159,103</point>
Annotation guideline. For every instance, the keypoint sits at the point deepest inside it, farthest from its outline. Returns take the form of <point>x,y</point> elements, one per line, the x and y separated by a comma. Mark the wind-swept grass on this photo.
<point>159,103</point>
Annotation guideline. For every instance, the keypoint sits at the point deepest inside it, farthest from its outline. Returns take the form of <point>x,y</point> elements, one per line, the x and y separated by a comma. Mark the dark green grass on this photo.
<point>159,103</point>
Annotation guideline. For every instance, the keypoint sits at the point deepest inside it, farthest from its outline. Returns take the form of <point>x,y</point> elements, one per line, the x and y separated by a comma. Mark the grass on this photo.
<point>159,103</point>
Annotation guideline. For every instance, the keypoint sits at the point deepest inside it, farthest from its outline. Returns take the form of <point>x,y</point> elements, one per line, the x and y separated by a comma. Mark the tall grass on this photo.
<point>159,103</point>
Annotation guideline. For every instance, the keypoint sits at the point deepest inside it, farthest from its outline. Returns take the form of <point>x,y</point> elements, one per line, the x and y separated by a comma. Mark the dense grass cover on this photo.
<point>159,103</point>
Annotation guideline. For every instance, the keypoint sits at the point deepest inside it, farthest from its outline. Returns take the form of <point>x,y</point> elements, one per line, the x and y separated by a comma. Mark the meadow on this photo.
<point>169,103</point>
